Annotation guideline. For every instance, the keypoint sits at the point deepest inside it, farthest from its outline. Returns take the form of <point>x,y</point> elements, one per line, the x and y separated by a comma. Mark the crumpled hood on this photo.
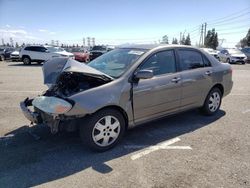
<point>53,68</point>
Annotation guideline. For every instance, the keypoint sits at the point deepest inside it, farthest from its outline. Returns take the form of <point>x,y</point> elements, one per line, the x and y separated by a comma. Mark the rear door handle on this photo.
<point>208,73</point>
<point>176,79</point>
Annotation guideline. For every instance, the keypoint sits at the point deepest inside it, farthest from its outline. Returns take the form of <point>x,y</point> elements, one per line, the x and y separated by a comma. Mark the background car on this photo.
<point>40,54</point>
<point>127,87</point>
<point>211,52</point>
<point>232,56</point>
<point>97,51</point>
<point>14,56</point>
<point>80,54</point>
<point>5,52</point>
<point>246,51</point>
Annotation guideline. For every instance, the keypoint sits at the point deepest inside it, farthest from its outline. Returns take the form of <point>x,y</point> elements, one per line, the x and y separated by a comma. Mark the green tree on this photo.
<point>211,40</point>
<point>165,39</point>
<point>17,45</point>
<point>187,40</point>
<point>174,41</point>
<point>246,40</point>
<point>182,41</point>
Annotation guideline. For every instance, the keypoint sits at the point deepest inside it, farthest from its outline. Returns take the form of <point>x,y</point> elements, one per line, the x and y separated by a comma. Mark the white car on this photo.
<point>232,56</point>
<point>212,52</point>
<point>40,54</point>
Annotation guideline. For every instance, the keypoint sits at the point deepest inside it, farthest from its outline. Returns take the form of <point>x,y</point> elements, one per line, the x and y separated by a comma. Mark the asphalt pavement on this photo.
<point>186,150</point>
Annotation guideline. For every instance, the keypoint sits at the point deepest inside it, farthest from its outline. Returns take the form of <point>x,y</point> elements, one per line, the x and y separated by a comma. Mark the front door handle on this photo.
<point>176,79</point>
<point>208,73</point>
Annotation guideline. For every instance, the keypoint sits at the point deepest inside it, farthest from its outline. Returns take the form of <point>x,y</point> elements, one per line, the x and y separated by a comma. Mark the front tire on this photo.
<point>212,102</point>
<point>102,130</point>
<point>26,61</point>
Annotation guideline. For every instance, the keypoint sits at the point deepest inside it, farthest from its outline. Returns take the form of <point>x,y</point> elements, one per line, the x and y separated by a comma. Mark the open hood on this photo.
<point>54,67</point>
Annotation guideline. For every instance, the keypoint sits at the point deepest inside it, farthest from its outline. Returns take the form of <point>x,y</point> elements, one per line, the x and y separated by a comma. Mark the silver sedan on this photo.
<point>126,87</point>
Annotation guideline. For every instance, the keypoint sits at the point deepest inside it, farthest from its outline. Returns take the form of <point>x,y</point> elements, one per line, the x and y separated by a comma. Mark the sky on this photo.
<point>121,21</point>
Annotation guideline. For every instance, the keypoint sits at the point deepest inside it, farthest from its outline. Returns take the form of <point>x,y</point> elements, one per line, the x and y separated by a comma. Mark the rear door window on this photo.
<point>190,59</point>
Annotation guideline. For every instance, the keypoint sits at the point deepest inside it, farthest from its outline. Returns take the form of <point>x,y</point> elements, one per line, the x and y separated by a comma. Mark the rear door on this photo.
<point>196,81</point>
<point>160,94</point>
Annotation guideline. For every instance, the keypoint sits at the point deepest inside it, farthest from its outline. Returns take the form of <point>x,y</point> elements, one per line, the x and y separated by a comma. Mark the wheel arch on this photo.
<point>23,56</point>
<point>220,87</point>
<point>120,109</point>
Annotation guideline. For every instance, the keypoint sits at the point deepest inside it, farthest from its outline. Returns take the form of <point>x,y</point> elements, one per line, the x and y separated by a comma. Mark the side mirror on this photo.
<point>46,51</point>
<point>144,74</point>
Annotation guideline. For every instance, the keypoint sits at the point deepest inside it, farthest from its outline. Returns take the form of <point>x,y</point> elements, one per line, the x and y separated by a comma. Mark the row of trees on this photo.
<point>246,40</point>
<point>184,40</point>
<point>211,39</point>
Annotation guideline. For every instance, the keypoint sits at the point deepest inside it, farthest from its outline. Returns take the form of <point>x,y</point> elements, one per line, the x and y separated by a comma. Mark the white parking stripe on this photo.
<point>246,111</point>
<point>150,149</point>
<point>7,91</point>
<point>243,94</point>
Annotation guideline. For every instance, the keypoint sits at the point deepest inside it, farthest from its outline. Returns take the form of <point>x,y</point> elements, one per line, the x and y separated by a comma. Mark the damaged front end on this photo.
<point>65,78</point>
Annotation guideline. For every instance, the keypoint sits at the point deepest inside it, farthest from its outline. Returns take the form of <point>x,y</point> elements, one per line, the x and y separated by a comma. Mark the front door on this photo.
<point>160,94</point>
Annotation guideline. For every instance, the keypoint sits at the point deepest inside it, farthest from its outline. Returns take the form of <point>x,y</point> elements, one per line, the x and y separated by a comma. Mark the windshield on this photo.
<point>116,62</point>
<point>234,51</point>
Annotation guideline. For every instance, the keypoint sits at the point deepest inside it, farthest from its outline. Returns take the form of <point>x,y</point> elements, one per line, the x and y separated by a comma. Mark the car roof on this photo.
<point>152,46</point>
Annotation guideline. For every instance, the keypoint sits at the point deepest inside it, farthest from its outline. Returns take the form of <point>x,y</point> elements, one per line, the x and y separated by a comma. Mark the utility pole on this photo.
<point>88,41</point>
<point>201,36</point>
<point>83,42</point>
<point>3,42</point>
<point>205,32</point>
<point>180,37</point>
<point>11,42</point>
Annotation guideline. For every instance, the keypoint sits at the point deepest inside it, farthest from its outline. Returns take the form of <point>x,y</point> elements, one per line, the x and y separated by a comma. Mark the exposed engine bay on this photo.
<point>69,83</point>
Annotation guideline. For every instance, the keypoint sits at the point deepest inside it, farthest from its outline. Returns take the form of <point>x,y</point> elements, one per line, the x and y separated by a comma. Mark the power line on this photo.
<point>231,19</point>
<point>229,22</point>
<point>234,28</point>
<point>226,17</point>
<point>236,32</point>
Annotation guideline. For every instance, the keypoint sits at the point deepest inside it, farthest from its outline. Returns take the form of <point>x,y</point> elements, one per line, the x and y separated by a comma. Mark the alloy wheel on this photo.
<point>214,101</point>
<point>106,131</point>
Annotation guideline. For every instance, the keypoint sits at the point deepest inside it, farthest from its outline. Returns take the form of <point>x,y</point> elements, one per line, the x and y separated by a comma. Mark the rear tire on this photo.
<point>212,102</point>
<point>26,60</point>
<point>102,130</point>
<point>228,61</point>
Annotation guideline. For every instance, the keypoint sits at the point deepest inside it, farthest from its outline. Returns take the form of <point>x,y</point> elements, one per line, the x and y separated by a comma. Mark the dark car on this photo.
<point>246,51</point>
<point>97,51</point>
<point>5,52</point>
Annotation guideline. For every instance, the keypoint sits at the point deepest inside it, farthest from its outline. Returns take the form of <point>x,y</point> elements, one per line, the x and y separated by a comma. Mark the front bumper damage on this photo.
<point>54,121</point>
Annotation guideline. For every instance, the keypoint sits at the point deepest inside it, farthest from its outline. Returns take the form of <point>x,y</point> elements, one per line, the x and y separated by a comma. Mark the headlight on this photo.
<point>52,105</point>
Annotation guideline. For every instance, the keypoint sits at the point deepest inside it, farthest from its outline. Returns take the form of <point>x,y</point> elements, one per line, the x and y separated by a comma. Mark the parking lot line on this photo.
<point>246,111</point>
<point>150,149</point>
<point>9,91</point>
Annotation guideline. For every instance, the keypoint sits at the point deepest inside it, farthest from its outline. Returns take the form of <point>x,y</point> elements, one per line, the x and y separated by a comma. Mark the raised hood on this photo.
<point>54,67</point>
